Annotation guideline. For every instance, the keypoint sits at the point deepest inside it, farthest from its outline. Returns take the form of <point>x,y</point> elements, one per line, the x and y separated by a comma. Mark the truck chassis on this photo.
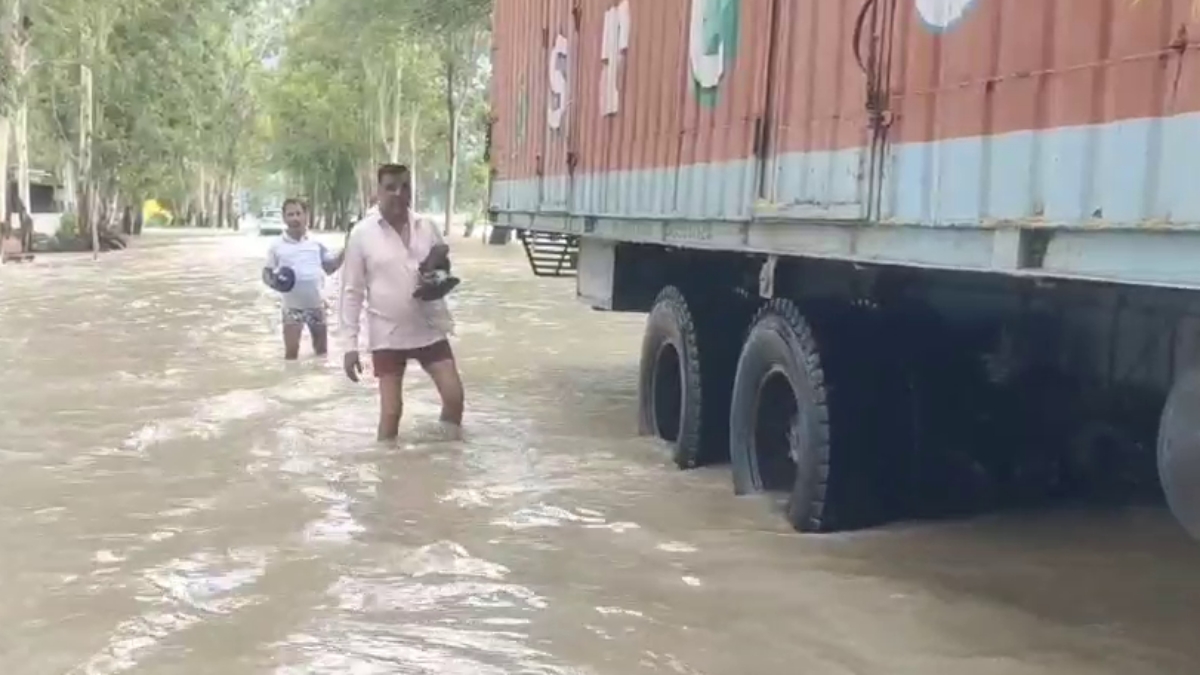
<point>856,389</point>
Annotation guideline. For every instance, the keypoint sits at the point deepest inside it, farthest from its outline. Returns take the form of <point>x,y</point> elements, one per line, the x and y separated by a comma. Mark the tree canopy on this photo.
<point>202,104</point>
<point>404,86</point>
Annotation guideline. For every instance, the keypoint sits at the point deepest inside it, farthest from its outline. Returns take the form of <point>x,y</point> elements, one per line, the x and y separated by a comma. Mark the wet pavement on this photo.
<point>176,499</point>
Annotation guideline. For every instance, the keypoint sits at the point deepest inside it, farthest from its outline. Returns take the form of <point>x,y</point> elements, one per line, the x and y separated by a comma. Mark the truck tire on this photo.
<point>670,387</point>
<point>721,323</point>
<point>1179,451</point>
<point>795,431</point>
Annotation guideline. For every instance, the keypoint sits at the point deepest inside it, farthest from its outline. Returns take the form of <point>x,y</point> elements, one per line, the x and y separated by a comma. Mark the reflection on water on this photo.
<point>176,499</point>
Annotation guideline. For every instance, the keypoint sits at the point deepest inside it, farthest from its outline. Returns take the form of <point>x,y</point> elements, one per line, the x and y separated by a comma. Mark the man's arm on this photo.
<point>272,263</point>
<point>439,258</point>
<point>354,290</point>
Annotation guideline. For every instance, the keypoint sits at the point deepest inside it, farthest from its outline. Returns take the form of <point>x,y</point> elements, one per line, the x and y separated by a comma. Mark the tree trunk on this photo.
<point>21,67</point>
<point>114,210</point>
<point>231,200</point>
<point>219,194</point>
<point>109,213</point>
<point>22,137</point>
<point>453,108</point>
<point>126,220</point>
<point>70,193</point>
<point>413,123</point>
<point>26,230</point>
<point>215,212</point>
<point>86,215</point>
<point>202,198</point>
<point>360,179</point>
<point>395,146</point>
<point>231,210</point>
<point>5,129</point>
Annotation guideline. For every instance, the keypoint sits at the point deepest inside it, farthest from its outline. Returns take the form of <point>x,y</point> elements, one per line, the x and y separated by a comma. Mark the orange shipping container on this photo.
<point>934,112</point>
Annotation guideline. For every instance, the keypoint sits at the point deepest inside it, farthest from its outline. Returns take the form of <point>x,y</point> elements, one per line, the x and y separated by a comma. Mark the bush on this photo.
<point>67,227</point>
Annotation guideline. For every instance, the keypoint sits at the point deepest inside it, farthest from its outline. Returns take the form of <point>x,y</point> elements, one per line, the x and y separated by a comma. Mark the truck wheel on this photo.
<point>670,388</point>
<point>720,326</point>
<point>786,435</point>
<point>1179,451</point>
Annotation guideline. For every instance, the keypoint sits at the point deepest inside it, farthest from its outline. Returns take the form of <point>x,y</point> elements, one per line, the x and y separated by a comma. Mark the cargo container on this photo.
<point>889,249</point>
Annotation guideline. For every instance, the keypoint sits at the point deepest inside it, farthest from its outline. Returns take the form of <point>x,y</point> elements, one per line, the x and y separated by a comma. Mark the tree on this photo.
<point>342,103</point>
<point>146,98</point>
<point>191,101</point>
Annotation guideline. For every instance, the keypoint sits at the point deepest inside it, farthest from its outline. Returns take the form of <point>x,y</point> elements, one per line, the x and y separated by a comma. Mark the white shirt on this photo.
<point>380,270</point>
<point>307,258</point>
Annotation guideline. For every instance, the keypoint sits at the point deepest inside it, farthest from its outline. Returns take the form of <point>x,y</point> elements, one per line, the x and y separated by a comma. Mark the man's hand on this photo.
<point>352,365</point>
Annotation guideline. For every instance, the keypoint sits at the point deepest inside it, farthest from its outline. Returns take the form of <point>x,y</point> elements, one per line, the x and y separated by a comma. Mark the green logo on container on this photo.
<point>713,43</point>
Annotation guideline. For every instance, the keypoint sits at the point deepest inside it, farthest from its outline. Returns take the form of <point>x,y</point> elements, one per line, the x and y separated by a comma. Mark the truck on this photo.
<point>896,256</point>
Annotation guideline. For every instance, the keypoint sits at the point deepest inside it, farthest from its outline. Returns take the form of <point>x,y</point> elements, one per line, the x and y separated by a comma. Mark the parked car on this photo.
<point>271,224</point>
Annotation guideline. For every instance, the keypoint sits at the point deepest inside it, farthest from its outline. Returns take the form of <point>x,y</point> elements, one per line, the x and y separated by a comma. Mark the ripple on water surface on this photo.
<point>434,609</point>
<point>174,498</point>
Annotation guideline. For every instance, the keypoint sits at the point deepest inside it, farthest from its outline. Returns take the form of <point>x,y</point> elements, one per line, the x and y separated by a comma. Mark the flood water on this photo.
<point>174,498</point>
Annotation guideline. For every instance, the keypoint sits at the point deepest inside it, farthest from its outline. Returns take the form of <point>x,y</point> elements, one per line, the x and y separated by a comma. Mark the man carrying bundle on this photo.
<point>398,264</point>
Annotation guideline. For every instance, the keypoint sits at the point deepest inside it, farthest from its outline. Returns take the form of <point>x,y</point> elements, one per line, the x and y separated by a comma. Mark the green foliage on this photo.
<point>68,227</point>
<point>173,93</point>
<point>340,102</point>
<point>194,100</point>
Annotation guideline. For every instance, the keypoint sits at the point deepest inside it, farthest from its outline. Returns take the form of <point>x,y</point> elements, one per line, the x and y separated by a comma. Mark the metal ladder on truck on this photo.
<point>550,254</point>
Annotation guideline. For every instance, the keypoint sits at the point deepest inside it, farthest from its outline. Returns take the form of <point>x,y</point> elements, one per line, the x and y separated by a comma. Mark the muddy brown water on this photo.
<point>176,499</point>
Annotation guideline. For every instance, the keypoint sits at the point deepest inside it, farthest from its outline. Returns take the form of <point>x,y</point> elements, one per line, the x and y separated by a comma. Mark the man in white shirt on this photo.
<point>383,257</point>
<point>310,261</point>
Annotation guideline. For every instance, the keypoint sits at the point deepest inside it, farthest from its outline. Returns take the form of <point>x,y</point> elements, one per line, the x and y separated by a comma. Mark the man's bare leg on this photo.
<point>320,338</point>
<point>291,340</point>
<point>391,404</point>
<point>444,374</point>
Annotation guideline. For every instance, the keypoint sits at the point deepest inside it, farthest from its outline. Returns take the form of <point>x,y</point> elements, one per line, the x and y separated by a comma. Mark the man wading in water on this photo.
<point>310,261</point>
<point>383,255</point>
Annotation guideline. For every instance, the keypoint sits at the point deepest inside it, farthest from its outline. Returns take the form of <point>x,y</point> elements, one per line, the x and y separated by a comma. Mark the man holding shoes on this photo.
<point>382,267</point>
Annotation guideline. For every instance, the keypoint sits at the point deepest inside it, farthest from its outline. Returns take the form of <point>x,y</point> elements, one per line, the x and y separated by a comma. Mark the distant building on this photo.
<point>45,197</point>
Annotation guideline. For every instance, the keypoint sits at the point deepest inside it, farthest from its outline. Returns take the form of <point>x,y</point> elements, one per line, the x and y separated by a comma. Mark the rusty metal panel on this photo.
<point>1064,112</point>
<point>589,137</point>
<point>518,98</point>
<point>627,106</point>
<point>666,112</point>
<point>665,115</point>
<point>1067,113</point>
<point>724,109</point>
<point>820,134</point>
<point>559,30</point>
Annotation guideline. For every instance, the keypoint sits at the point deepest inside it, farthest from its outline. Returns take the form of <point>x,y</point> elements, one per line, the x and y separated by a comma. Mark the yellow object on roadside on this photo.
<point>151,208</point>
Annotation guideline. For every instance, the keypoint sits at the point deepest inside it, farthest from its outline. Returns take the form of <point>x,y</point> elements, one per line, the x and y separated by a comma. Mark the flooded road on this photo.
<point>174,498</point>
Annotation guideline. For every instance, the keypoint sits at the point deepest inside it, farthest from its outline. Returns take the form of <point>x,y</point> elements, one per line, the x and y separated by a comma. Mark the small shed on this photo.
<point>45,201</point>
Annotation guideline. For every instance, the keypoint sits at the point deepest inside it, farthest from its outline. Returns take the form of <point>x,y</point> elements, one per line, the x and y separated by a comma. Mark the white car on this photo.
<point>271,224</point>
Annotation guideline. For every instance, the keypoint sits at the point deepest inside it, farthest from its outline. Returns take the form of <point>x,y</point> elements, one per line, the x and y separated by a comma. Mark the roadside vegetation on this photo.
<point>215,107</point>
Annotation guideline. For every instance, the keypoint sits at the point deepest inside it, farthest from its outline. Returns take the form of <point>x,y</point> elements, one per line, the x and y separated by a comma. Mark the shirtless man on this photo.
<point>383,254</point>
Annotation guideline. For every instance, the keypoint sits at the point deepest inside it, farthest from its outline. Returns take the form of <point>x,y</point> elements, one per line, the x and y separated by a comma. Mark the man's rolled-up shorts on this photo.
<point>393,361</point>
